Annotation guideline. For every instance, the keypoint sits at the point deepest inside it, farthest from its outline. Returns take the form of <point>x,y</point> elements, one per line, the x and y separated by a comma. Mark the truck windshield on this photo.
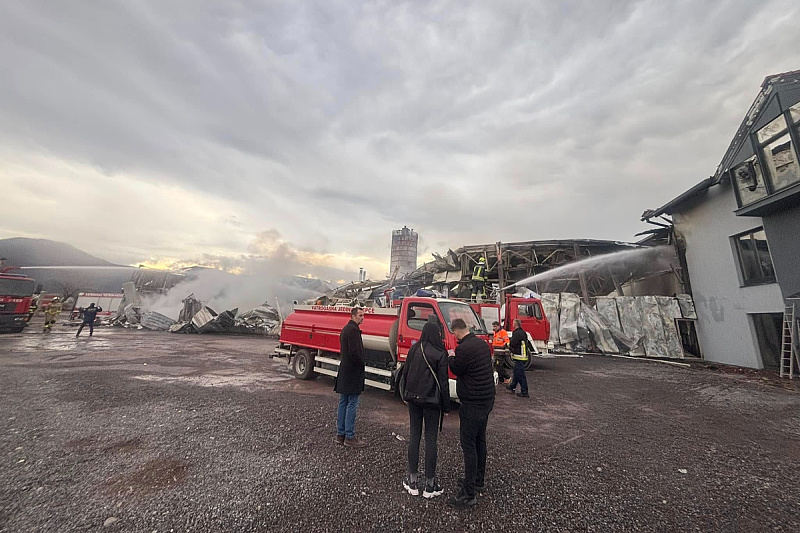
<point>16,287</point>
<point>453,310</point>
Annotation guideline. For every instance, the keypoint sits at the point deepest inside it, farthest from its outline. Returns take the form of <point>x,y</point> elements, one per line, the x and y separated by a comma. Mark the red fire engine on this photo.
<point>310,336</point>
<point>16,294</point>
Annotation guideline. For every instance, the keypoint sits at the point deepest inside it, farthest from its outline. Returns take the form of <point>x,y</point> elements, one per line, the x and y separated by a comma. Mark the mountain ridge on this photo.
<point>28,252</point>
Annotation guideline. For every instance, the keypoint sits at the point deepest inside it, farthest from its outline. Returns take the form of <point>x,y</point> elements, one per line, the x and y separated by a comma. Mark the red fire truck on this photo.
<point>310,336</point>
<point>528,310</point>
<point>16,294</point>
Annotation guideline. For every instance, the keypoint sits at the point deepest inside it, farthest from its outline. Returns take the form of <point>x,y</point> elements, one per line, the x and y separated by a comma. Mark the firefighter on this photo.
<point>51,313</point>
<point>479,281</point>
<point>500,344</point>
<point>520,351</point>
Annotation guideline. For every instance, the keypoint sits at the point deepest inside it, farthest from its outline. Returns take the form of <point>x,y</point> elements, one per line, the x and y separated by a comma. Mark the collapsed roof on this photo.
<point>508,263</point>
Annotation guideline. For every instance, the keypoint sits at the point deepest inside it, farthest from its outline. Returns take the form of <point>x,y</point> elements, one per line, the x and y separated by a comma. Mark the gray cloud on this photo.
<point>338,122</point>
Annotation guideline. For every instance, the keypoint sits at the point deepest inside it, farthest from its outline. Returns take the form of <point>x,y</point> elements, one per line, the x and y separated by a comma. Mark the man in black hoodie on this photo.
<point>475,387</point>
<point>350,380</point>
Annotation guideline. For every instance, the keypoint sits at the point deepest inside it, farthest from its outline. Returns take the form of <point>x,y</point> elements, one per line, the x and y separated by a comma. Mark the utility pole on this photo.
<point>500,277</point>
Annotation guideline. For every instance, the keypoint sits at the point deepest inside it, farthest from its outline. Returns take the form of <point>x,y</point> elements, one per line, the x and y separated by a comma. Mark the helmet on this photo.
<point>56,299</point>
<point>482,260</point>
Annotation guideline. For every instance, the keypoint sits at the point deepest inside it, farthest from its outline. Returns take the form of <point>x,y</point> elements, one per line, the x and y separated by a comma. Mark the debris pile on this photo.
<point>130,313</point>
<point>196,317</point>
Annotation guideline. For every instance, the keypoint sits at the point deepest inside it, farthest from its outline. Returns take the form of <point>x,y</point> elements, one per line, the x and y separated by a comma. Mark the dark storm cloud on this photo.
<point>338,121</point>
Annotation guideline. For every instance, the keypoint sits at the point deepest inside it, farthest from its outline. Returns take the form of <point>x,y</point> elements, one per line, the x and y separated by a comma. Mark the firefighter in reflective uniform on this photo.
<point>521,349</point>
<point>479,281</point>
<point>51,313</point>
<point>500,343</point>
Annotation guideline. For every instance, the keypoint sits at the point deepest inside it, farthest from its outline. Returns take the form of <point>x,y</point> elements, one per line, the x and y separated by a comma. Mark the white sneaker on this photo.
<point>411,487</point>
<point>432,491</point>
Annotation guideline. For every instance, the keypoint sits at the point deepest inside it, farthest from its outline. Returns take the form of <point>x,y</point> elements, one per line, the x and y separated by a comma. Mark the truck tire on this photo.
<point>303,365</point>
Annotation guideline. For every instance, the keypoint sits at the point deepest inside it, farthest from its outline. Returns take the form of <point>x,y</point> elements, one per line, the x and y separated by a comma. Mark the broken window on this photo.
<point>755,263</point>
<point>794,111</point>
<point>749,181</point>
<point>776,127</point>
<point>781,161</point>
<point>778,154</point>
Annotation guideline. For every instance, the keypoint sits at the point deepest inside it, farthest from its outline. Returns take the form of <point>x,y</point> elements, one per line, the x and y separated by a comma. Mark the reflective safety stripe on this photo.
<point>478,273</point>
<point>524,355</point>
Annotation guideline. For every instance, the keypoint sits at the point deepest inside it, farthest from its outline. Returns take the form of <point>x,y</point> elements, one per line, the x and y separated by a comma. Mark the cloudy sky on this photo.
<point>224,132</point>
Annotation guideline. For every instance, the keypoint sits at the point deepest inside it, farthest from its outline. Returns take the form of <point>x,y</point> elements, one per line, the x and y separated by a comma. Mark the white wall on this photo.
<point>723,327</point>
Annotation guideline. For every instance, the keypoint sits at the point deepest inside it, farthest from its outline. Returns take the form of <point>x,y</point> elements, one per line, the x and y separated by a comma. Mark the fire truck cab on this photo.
<point>16,294</point>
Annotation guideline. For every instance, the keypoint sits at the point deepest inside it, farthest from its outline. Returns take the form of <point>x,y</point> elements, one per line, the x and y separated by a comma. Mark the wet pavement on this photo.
<point>147,431</point>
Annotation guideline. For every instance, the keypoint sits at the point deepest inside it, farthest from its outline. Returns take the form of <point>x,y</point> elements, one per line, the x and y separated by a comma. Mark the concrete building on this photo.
<point>404,251</point>
<point>740,232</point>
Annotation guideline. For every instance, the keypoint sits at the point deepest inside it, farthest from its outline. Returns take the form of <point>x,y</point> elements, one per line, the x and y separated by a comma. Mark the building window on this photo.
<point>755,262</point>
<point>749,181</point>
<point>794,112</point>
<point>778,154</point>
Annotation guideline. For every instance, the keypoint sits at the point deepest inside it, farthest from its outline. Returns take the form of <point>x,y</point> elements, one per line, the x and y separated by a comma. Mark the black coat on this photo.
<point>518,337</point>
<point>90,313</point>
<point>472,366</point>
<point>420,386</point>
<point>350,379</point>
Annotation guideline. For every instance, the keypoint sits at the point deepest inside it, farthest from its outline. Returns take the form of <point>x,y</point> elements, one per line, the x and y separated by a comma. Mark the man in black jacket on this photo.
<point>350,380</point>
<point>475,387</point>
<point>520,352</point>
<point>89,316</point>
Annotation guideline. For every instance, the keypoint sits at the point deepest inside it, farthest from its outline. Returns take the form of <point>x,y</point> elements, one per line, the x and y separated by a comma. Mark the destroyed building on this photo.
<point>740,230</point>
<point>599,296</point>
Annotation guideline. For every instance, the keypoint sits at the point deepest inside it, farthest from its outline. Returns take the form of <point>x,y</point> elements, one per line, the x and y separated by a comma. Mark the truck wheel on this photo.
<point>303,365</point>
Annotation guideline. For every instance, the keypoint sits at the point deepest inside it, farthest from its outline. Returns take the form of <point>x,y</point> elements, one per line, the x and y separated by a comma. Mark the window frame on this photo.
<point>740,264</point>
<point>793,130</point>
<point>412,307</point>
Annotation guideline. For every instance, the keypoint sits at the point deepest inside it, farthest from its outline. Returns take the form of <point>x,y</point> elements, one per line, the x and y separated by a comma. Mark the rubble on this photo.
<point>155,321</point>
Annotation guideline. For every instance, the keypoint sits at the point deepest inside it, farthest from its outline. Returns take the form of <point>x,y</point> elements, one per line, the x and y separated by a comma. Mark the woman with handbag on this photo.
<point>426,391</point>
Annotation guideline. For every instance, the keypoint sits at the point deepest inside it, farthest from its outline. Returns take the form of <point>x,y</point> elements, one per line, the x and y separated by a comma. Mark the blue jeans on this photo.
<point>346,419</point>
<point>519,377</point>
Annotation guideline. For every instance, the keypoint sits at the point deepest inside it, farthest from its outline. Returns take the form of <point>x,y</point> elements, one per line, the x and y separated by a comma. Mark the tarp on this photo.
<point>655,342</point>
<point>639,326</point>
<point>687,306</point>
<point>670,310</point>
<point>568,318</point>
<point>630,318</point>
<point>607,307</point>
<point>551,302</point>
<point>599,330</point>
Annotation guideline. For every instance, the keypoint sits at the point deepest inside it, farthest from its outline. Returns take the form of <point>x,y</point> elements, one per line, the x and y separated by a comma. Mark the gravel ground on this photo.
<point>145,431</point>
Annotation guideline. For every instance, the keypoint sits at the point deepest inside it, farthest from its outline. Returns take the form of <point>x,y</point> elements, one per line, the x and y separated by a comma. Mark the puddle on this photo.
<point>153,476</point>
